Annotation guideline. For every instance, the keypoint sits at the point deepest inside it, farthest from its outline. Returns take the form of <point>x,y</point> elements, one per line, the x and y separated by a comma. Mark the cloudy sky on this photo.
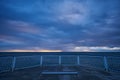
<point>60,25</point>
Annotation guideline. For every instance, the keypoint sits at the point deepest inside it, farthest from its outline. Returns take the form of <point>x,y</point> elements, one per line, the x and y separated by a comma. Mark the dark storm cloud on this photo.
<point>68,25</point>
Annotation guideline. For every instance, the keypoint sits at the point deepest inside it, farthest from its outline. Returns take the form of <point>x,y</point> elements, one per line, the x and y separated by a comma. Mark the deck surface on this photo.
<point>85,73</point>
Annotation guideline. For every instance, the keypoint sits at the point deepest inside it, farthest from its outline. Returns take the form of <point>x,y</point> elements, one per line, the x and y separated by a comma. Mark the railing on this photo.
<point>11,63</point>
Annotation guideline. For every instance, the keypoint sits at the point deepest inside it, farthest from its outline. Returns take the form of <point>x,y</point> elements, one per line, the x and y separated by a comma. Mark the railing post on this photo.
<point>59,60</point>
<point>106,63</point>
<point>13,63</point>
<point>78,60</point>
<point>41,60</point>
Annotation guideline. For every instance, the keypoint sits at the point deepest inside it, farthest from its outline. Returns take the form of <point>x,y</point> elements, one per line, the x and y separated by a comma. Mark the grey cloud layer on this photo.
<point>56,24</point>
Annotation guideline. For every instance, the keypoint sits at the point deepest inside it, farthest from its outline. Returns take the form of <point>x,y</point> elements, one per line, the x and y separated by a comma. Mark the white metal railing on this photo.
<point>78,60</point>
<point>40,60</point>
<point>59,60</point>
<point>13,63</point>
<point>106,63</point>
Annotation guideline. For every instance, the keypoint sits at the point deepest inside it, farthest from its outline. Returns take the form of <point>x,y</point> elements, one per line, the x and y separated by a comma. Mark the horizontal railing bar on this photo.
<point>58,73</point>
<point>27,67</point>
<point>4,71</point>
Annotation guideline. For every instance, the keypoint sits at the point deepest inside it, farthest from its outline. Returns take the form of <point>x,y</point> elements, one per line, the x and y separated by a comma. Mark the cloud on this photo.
<point>10,40</point>
<point>72,12</point>
<point>93,49</point>
<point>23,27</point>
<point>69,49</point>
<point>30,50</point>
<point>53,32</point>
<point>65,25</point>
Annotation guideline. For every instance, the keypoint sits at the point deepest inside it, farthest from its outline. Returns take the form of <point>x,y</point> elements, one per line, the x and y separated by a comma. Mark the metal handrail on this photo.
<point>14,58</point>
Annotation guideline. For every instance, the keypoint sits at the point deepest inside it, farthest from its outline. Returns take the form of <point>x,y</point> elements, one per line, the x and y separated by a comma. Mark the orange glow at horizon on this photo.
<point>31,50</point>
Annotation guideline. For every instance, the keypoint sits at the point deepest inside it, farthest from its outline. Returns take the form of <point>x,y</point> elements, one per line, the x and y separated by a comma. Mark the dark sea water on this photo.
<point>59,53</point>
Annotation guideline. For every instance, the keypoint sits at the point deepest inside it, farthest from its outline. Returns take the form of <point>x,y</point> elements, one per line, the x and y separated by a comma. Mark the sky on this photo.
<point>60,25</point>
